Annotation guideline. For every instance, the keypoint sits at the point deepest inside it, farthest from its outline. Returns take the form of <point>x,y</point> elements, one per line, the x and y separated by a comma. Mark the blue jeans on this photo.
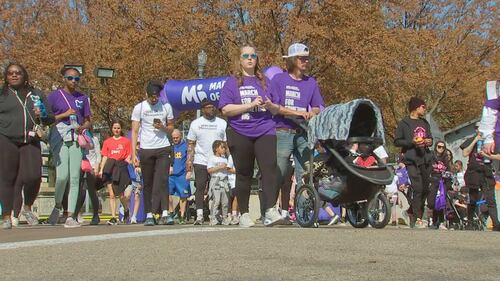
<point>288,144</point>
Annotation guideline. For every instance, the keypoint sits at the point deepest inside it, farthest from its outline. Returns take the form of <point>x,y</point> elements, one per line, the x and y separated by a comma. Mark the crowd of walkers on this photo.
<point>220,153</point>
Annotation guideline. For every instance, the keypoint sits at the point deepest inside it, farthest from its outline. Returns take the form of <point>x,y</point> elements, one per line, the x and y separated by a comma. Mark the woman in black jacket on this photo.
<point>440,164</point>
<point>413,135</point>
<point>23,110</point>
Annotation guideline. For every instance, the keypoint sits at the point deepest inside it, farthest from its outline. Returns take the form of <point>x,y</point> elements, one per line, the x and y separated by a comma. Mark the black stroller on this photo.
<point>357,188</point>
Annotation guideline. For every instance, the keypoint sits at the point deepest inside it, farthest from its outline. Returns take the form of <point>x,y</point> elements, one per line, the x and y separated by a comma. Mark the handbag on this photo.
<point>85,140</point>
<point>440,203</point>
<point>86,167</point>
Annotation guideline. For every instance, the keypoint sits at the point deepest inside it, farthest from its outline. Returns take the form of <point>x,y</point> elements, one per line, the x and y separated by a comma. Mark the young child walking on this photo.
<point>218,191</point>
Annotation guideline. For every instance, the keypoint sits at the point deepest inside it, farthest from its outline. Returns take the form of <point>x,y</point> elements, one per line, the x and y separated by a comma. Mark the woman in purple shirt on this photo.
<point>299,95</point>
<point>251,134</point>
<point>72,111</point>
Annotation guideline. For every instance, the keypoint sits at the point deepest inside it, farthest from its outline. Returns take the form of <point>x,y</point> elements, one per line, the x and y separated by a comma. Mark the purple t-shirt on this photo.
<point>295,95</point>
<point>250,124</point>
<point>78,101</point>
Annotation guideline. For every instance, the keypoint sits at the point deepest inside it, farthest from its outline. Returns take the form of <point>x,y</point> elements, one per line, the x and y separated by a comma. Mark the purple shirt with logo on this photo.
<point>78,101</point>
<point>250,124</point>
<point>294,94</point>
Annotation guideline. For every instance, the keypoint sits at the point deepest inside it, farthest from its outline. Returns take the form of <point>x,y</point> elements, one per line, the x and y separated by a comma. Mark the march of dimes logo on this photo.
<point>196,93</point>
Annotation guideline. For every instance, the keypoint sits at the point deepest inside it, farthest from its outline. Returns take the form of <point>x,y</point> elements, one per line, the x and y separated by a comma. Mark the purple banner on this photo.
<point>188,94</point>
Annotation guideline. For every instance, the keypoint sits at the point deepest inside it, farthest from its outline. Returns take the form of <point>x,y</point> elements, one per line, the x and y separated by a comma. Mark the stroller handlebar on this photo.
<point>301,122</point>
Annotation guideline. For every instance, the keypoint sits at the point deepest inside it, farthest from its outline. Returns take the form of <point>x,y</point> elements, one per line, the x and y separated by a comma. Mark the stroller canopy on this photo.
<point>357,118</point>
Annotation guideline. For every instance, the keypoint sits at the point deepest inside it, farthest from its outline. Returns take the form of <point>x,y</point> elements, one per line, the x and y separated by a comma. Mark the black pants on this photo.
<point>20,165</point>
<point>488,191</point>
<point>201,180</point>
<point>419,177</point>
<point>87,182</point>
<point>244,151</point>
<point>155,164</point>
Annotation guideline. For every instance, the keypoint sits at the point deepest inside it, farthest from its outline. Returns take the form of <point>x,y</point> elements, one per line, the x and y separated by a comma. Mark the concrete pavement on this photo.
<point>232,253</point>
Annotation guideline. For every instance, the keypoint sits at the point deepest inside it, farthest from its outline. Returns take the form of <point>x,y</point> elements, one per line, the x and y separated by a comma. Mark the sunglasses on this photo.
<point>440,146</point>
<point>248,56</point>
<point>14,72</point>
<point>303,58</point>
<point>69,78</point>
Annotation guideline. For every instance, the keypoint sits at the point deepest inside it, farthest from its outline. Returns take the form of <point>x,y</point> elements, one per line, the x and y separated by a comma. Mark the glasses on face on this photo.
<point>14,72</point>
<point>303,58</point>
<point>70,78</point>
<point>249,56</point>
<point>440,146</point>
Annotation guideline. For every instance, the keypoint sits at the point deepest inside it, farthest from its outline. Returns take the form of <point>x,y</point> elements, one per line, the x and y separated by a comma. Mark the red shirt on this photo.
<point>118,149</point>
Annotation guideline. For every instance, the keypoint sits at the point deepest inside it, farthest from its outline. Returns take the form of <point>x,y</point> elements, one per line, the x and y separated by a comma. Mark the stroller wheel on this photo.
<point>306,206</point>
<point>356,215</point>
<point>378,211</point>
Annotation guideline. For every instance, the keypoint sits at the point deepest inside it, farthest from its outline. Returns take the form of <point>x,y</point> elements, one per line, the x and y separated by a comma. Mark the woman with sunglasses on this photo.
<point>298,95</point>
<point>20,155</point>
<point>413,135</point>
<point>440,164</point>
<point>246,100</point>
<point>72,111</point>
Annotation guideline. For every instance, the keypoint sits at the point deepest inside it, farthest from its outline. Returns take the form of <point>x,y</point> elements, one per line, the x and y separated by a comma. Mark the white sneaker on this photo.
<point>80,219</point>
<point>335,219</point>
<point>246,221</point>
<point>442,227</point>
<point>15,221</point>
<point>71,223</point>
<point>272,217</point>
<point>133,220</point>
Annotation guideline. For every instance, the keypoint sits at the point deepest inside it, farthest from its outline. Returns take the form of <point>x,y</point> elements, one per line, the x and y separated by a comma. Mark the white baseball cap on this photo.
<point>296,50</point>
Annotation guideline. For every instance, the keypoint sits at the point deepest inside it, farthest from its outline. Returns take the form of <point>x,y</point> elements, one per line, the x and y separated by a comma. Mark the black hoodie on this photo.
<point>16,113</point>
<point>406,131</point>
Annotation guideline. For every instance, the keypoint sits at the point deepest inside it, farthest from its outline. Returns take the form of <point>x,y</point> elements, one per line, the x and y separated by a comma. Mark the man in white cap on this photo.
<point>299,95</point>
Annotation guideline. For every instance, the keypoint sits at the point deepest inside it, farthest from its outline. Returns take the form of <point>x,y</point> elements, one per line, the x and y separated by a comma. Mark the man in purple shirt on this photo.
<point>72,111</point>
<point>298,94</point>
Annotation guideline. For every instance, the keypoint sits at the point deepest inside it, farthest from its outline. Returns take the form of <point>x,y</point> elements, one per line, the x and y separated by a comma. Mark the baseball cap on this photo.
<point>296,50</point>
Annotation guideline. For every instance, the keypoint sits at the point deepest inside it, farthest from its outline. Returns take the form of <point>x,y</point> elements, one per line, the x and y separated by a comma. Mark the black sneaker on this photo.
<point>95,220</point>
<point>126,216</point>
<point>54,216</point>
<point>163,220</point>
<point>113,221</point>
<point>149,222</point>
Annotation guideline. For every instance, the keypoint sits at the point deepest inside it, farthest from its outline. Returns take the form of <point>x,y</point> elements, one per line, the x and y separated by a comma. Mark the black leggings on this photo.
<point>90,180</point>
<point>201,180</point>
<point>20,165</point>
<point>155,164</point>
<point>244,151</point>
<point>419,177</point>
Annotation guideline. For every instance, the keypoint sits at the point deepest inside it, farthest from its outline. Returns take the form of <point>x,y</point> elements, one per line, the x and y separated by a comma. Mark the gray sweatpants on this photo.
<point>219,195</point>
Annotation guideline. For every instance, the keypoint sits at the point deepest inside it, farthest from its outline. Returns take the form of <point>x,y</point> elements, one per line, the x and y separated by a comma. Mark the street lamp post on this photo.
<point>202,61</point>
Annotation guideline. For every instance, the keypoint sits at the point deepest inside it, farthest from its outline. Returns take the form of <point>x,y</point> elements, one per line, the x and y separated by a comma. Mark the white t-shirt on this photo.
<point>204,132</point>
<point>144,112</point>
<point>215,161</point>
<point>231,176</point>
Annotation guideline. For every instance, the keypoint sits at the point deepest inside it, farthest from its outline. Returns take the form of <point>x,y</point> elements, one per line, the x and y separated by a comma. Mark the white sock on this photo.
<point>149,215</point>
<point>199,212</point>
<point>164,213</point>
<point>234,213</point>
